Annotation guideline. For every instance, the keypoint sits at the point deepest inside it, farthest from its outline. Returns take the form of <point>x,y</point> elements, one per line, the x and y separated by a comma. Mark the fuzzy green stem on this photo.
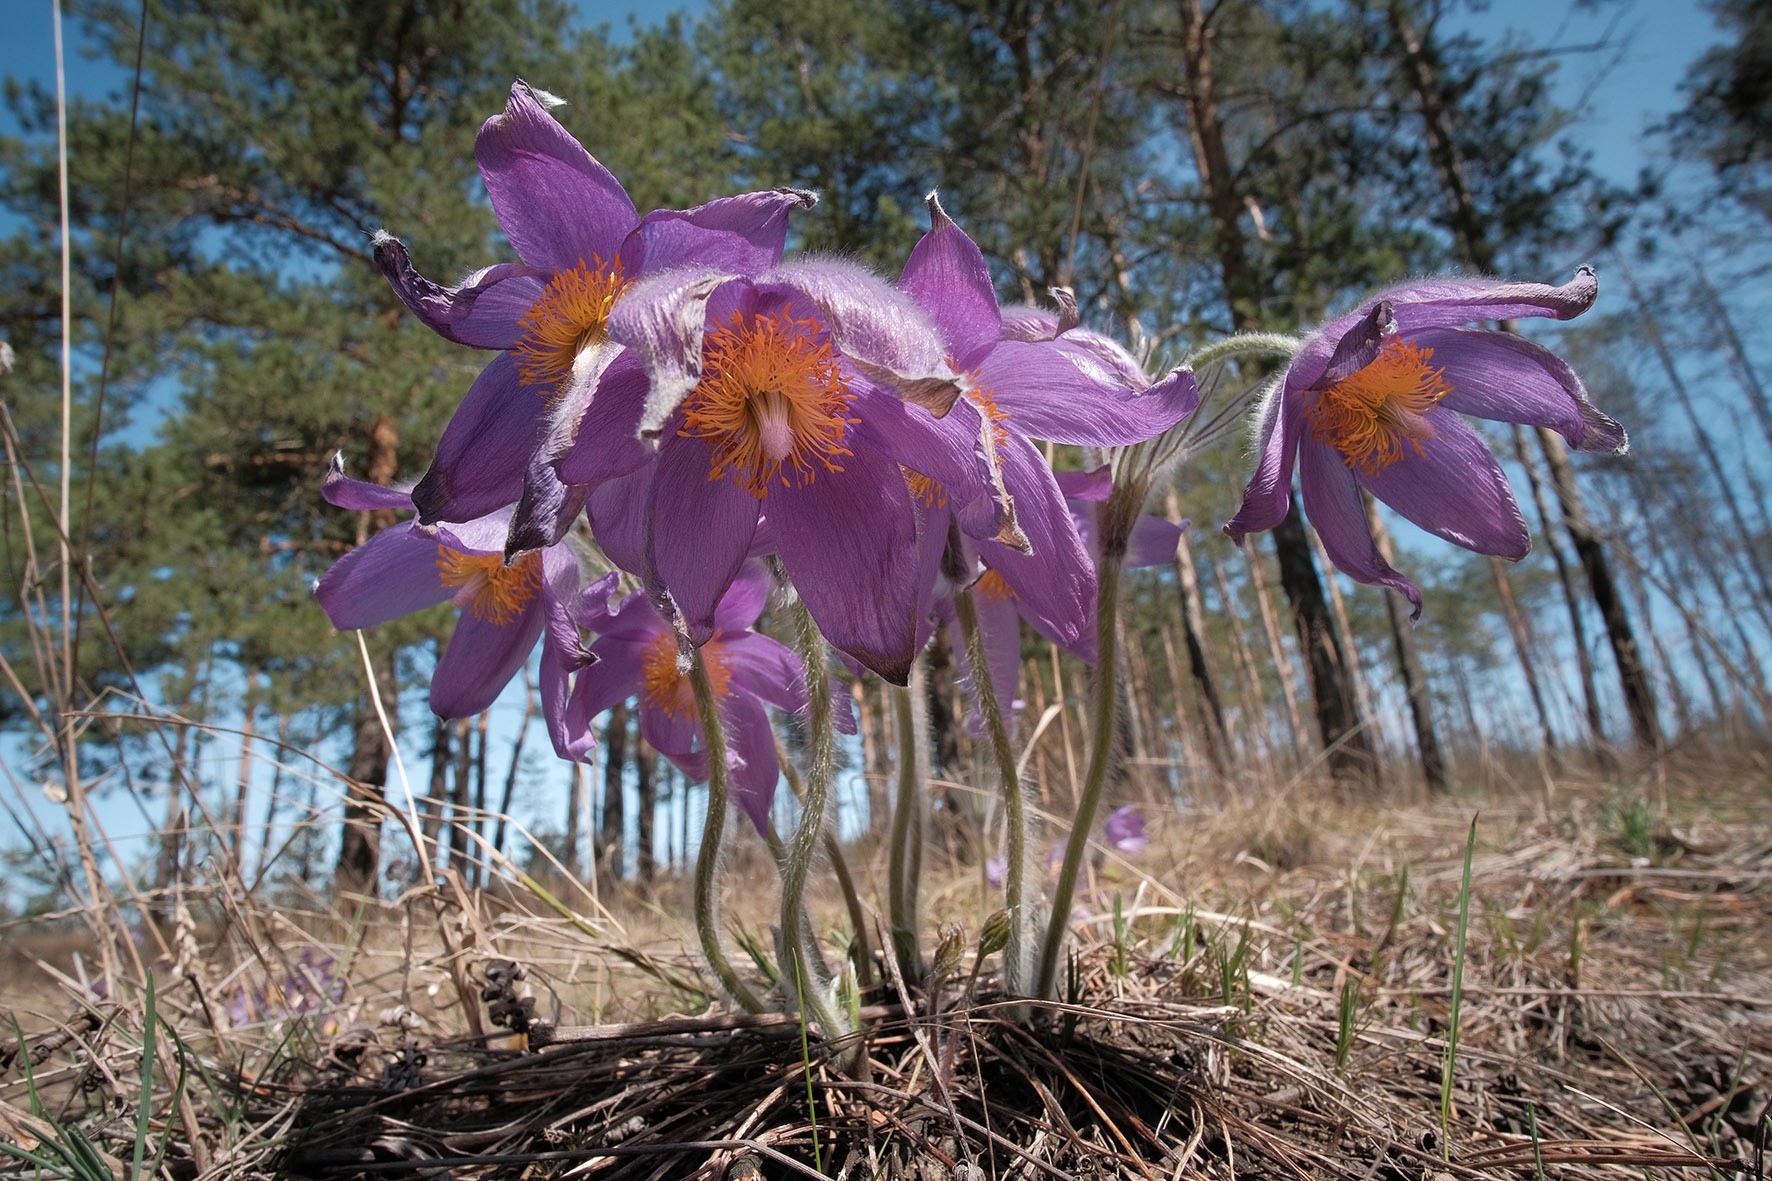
<point>796,934</point>
<point>907,811</point>
<point>707,859</point>
<point>1248,344</point>
<point>861,954</point>
<point>1115,526</point>
<point>1016,962</point>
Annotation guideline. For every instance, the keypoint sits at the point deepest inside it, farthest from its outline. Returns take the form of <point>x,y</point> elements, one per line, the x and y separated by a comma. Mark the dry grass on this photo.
<point>1266,991</point>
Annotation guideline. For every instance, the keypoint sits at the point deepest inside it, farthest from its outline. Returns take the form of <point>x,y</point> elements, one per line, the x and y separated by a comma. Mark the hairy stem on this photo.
<point>903,869</point>
<point>804,971</point>
<point>707,859</point>
<point>1016,956</point>
<point>1115,525</point>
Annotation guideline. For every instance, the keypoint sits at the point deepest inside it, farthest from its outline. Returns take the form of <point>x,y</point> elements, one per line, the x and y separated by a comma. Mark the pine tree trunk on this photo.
<point>1409,666</point>
<point>611,857</point>
<point>1282,663</point>
<point>1193,626</point>
<point>1639,696</point>
<point>1524,646</point>
<point>359,851</point>
<point>646,783</point>
<point>1344,734</point>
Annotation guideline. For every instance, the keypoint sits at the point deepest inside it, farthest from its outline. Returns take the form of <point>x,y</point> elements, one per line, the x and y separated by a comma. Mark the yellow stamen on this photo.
<point>992,589</point>
<point>571,315</point>
<point>1367,415</point>
<point>664,687</point>
<point>490,589</point>
<point>773,402</point>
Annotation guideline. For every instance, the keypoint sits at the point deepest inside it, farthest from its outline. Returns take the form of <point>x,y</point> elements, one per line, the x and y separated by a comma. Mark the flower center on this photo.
<point>772,401</point>
<point>1367,415</point>
<point>571,315</point>
<point>490,589</point>
<point>665,687</point>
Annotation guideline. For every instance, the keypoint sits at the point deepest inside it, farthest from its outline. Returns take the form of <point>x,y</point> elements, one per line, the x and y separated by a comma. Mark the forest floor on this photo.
<point>1289,984</point>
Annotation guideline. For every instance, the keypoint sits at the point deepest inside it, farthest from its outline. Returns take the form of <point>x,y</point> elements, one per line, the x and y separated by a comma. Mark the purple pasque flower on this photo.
<point>556,411</point>
<point>1125,832</point>
<point>1374,399</point>
<point>1023,376</point>
<point>776,397</point>
<point>637,656</point>
<point>503,608</point>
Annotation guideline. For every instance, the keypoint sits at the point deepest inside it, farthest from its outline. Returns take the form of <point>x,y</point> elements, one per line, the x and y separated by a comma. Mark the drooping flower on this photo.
<point>637,655</point>
<point>503,609</point>
<point>1374,399</point>
<point>774,397</point>
<point>555,413</point>
<point>1001,607</point>
<point>1022,376</point>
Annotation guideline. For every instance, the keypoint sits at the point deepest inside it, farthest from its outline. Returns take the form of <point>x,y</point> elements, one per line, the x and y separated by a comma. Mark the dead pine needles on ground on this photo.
<point>1273,989</point>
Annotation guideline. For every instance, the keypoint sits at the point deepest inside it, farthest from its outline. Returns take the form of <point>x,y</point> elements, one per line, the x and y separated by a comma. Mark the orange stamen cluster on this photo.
<point>1368,415</point>
<point>493,591</point>
<point>986,403</point>
<point>772,401</point>
<point>571,315</point>
<point>924,488</point>
<point>664,686</point>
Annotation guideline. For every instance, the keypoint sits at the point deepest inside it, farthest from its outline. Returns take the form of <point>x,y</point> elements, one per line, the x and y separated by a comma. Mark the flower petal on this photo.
<point>766,669</point>
<point>1054,584</point>
<point>870,320</point>
<point>480,660</point>
<point>392,574</point>
<point>1153,542</point>
<point>677,737</point>
<point>485,312</point>
<point>1091,486</point>
<point>701,530</point>
<point>1502,376</point>
<point>1455,489</point>
<point>744,599</point>
<point>1332,501</point>
<point>548,505</point>
<point>947,276</point>
<point>1068,396</point>
<point>849,542</point>
<point>341,491</point>
<point>743,234</point>
<point>750,743</point>
<point>617,510</point>
<point>607,443</point>
<point>1269,492</point>
<point>662,319</point>
<point>557,205</point>
<point>484,450</point>
<point>562,654</point>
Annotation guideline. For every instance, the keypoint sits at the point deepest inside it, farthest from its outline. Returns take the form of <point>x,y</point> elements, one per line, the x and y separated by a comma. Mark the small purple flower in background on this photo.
<point>1125,831</point>
<point>556,412</point>
<point>503,609</point>
<point>637,653</point>
<point>1374,400</point>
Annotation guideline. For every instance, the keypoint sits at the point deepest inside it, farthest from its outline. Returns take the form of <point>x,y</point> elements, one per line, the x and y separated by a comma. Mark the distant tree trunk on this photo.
<point>1584,664</point>
<point>359,852</point>
<point>1639,697</point>
<point>1193,627</point>
<point>1344,635</point>
<point>1352,758</point>
<point>1277,650</point>
<point>611,855</point>
<point>646,776</point>
<point>1524,646</point>
<point>1409,666</point>
<point>437,793</point>
<point>1254,709</point>
<point>478,863</point>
